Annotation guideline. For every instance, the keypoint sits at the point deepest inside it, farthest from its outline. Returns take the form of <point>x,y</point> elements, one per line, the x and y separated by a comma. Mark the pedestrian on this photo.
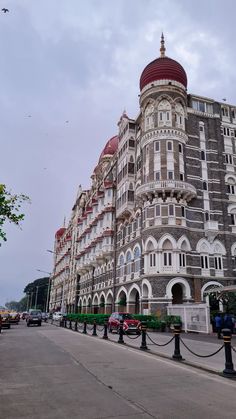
<point>218,325</point>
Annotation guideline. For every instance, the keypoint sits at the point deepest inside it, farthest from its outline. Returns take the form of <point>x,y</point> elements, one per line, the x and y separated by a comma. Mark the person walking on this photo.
<point>218,324</point>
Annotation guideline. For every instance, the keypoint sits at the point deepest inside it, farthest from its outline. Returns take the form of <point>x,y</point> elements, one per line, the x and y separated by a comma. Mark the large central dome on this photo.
<point>163,68</point>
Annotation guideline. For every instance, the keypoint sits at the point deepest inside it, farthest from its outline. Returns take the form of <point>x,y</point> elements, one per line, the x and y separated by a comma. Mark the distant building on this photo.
<point>158,225</point>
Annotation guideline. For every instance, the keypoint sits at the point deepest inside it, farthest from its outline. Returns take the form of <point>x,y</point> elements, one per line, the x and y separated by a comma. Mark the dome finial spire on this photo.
<point>162,49</point>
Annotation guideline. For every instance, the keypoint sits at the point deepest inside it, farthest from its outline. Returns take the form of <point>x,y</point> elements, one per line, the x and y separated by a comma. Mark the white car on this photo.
<point>57,316</point>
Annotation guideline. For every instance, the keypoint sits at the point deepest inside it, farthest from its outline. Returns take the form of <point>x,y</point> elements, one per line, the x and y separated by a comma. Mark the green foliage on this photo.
<point>17,305</point>
<point>38,288</point>
<point>169,320</point>
<point>89,318</point>
<point>10,209</point>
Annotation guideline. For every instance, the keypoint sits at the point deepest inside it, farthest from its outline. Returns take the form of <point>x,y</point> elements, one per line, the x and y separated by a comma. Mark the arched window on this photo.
<point>137,256</point>
<point>164,113</point>
<point>204,185</point>
<point>151,255</point>
<point>121,265</point>
<point>149,122</point>
<point>231,186</point>
<point>179,116</point>
<point>128,263</point>
<point>219,251</point>
<point>182,257</point>
<point>167,255</point>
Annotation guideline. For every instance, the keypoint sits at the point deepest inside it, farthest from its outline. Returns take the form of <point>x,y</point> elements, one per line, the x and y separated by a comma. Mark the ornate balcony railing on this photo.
<point>163,187</point>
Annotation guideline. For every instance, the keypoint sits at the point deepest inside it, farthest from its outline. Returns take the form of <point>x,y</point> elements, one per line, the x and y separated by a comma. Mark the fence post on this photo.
<point>94,328</point>
<point>105,331</point>
<point>177,355</point>
<point>76,326</point>
<point>70,324</point>
<point>143,345</point>
<point>229,366</point>
<point>65,324</point>
<point>85,327</point>
<point>121,333</point>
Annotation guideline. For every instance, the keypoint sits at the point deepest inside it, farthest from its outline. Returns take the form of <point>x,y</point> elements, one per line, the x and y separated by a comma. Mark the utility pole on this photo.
<point>36,297</point>
<point>27,309</point>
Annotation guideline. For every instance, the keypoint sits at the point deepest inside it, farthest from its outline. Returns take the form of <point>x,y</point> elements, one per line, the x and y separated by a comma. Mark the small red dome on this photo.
<point>110,147</point>
<point>60,232</point>
<point>163,68</point>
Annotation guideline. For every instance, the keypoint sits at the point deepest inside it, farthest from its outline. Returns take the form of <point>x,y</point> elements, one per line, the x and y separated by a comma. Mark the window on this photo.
<point>233,113</point>
<point>228,159</point>
<point>203,157</point>
<point>207,216</point>
<point>181,176</point>
<point>204,185</point>
<point>231,189</point>
<point>128,263</point>
<point>171,210</point>
<point>157,175</point>
<point>170,175</point>
<point>204,262</point>
<point>180,148</point>
<point>226,131</point>
<point>201,128</point>
<point>218,262</point>
<point>169,145</point>
<point>202,106</point>
<point>167,259</point>
<point>233,219</point>
<point>182,260</point>
<point>183,211</point>
<point>225,111</point>
<point>158,210</point>
<point>157,146</point>
<point>136,259</point>
<point>152,259</point>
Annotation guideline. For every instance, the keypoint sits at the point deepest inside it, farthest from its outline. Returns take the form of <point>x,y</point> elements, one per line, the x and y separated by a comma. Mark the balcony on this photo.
<point>165,188</point>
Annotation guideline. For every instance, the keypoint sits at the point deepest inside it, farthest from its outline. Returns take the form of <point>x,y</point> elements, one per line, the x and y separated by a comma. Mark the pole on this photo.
<point>27,308</point>
<point>31,298</point>
<point>48,293</point>
<point>36,297</point>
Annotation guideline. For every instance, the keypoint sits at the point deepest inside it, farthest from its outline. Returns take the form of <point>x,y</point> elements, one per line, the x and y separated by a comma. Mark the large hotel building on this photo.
<point>157,227</point>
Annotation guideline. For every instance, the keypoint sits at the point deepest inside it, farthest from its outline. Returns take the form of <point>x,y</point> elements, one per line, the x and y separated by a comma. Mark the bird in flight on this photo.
<point>67,122</point>
<point>4,10</point>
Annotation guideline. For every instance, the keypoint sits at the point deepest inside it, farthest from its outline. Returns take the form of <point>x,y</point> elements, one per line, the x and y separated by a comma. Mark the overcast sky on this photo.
<point>80,61</point>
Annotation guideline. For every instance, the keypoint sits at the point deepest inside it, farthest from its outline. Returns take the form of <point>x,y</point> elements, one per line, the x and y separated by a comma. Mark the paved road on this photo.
<point>53,373</point>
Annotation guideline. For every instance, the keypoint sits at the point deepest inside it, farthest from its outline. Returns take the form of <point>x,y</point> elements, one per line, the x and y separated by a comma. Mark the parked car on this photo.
<point>58,315</point>
<point>14,317</point>
<point>5,320</point>
<point>44,316</point>
<point>34,317</point>
<point>130,324</point>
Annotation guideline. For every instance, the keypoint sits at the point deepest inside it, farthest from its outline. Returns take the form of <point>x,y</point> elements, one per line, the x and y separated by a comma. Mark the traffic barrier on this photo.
<point>105,336</point>
<point>85,328</point>
<point>229,366</point>
<point>94,328</point>
<point>121,333</point>
<point>143,345</point>
<point>177,355</point>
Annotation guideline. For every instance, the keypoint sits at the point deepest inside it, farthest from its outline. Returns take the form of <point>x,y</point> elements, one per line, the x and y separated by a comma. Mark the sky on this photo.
<point>80,61</point>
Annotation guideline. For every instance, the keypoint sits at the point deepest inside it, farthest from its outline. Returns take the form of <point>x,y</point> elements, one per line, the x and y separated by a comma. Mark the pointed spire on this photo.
<point>64,222</point>
<point>162,49</point>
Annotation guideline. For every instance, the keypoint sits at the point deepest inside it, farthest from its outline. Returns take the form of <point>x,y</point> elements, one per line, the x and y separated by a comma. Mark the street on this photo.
<point>50,372</point>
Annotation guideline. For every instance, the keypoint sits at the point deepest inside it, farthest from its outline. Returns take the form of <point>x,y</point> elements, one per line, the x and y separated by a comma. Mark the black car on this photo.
<point>34,317</point>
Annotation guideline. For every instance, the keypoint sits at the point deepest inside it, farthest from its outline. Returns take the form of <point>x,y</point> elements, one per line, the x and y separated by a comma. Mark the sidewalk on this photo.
<point>198,343</point>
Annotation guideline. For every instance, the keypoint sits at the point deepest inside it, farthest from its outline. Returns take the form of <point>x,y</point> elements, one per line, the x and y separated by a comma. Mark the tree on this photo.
<point>10,209</point>
<point>37,293</point>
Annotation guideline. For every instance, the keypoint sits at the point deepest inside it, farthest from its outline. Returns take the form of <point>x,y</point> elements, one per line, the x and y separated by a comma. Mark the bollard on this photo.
<point>85,327</point>
<point>76,326</point>
<point>121,333</point>
<point>177,355</point>
<point>144,334</point>
<point>94,328</point>
<point>65,323</point>
<point>70,324</point>
<point>229,366</point>
<point>105,331</point>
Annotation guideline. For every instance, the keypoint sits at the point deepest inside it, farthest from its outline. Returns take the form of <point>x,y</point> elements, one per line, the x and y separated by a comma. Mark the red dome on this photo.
<point>163,68</point>
<point>110,147</point>
<point>60,232</point>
